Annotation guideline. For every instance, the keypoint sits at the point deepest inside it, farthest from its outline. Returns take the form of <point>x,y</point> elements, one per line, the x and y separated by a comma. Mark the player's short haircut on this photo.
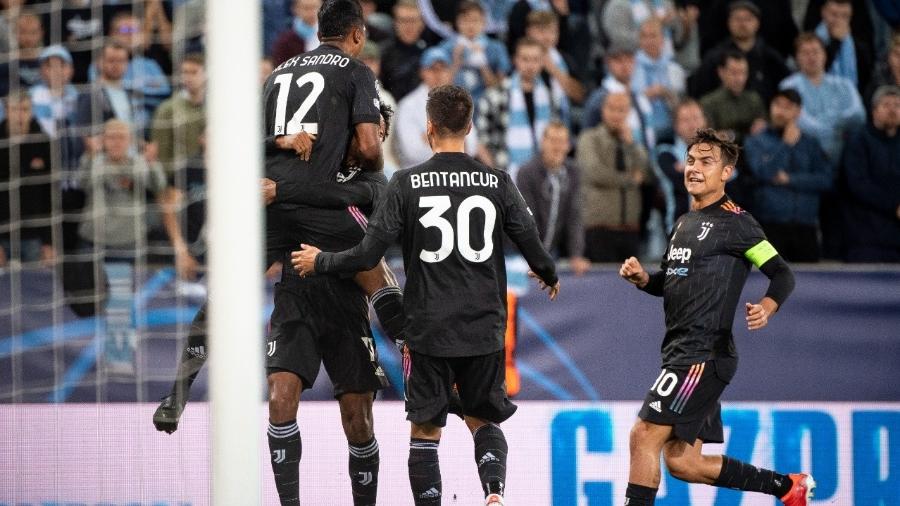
<point>449,108</point>
<point>195,58</point>
<point>541,18</point>
<point>528,42</point>
<point>467,6</point>
<point>731,54</point>
<point>805,37</point>
<point>387,113</point>
<point>338,17</point>
<point>729,149</point>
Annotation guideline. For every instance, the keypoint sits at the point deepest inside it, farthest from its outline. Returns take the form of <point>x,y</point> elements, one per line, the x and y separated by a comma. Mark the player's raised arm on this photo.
<point>633,272</point>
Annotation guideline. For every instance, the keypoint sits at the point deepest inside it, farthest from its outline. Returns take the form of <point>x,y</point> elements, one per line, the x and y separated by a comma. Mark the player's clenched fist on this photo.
<point>633,272</point>
<point>304,261</point>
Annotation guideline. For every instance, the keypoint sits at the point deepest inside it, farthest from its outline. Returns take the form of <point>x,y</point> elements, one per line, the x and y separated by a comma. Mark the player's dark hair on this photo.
<point>449,108</point>
<point>387,113</point>
<point>338,17</point>
<point>729,149</point>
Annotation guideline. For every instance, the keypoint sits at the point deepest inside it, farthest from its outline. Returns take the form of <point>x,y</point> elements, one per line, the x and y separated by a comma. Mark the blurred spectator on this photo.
<point>9,10</point>
<point>23,69</point>
<point>887,71</point>
<point>27,167</point>
<point>543,26</point>
<point>117,183</point>
<point>517,22</point>
<point>619,72</point>
<point>614,166</point>
<point>657,77</point>
<point>622,20</point>
<point>847,56</point>
<point>687,47</point>
<point>511,117</point>
<point>479,62</point>
<point>831,104</point>
<point>301,36</point>
<point>189,24</point>
<point>143,77</point>
<point>410,141</point>
<point>265,69</point>
<point>872,165</point>
<point>378,24</point>
<point>371,56</point>
<point>79,30</point>
<point>860,24</point>
<point>108,98</point>
<point>401,54</point>
<point>766,67</point>
<point>180,121</point>
<point>732,107</point>
<point>792,172</point>
<point>551,186</point>
<point>53,99</point>
<point>671,158</point>
<point>779,22</point>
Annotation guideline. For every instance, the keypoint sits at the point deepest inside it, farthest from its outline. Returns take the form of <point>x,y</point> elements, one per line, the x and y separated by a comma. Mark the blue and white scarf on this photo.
<point>650,72</point>
<point>521,138</point>
<point>844,63</point>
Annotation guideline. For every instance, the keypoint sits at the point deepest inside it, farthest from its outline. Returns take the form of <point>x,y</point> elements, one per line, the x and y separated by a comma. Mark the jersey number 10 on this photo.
<point>434,218</point>
<point>296,124</point>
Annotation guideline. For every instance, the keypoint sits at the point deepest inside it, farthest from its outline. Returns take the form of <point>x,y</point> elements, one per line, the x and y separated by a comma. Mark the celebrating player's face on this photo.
<point>704,173</point>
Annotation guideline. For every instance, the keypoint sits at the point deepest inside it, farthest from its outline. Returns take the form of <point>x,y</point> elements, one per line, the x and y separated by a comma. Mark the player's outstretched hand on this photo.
<point>304,261</point>
<point>757,316</point>
<point>553,291</point>
<point>302,145</point>
<point>633,272</point>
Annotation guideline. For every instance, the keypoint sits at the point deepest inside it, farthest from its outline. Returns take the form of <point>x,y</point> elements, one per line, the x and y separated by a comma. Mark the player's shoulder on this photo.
<point>734,215</point>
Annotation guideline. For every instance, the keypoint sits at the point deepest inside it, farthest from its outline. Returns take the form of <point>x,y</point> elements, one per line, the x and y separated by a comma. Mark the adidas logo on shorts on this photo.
<point>655,405</point>
<point>431,493</point>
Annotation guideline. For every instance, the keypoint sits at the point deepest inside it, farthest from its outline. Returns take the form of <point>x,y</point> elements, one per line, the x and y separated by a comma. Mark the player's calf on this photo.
<point>490,457</point>
<point>363,462</point>
<point>425,472</point>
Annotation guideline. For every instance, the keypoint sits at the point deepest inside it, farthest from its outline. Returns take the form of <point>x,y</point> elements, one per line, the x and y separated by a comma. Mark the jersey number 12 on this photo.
<point>434,218</point>
<point>296,124</point>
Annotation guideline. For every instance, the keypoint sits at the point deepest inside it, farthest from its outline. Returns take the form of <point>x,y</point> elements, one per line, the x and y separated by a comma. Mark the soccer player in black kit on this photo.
<point>710,254</point>
<point>450,214</point>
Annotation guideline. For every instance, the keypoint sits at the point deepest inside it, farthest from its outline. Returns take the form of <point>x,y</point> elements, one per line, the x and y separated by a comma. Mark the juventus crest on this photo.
<point>705,227</point>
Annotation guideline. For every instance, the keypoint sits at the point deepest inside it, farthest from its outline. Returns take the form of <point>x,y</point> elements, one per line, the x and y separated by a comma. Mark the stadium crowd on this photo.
<point>588,103</point>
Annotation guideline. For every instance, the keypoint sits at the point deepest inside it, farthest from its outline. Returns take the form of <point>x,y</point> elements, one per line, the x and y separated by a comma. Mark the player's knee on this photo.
<point>358,425</point>
<point>639,438</point>
<point>284,398</point>
<point>682,466</point>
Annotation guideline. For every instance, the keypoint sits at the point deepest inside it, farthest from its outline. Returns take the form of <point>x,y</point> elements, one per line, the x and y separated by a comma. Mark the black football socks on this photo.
<point>639,495</point>
<point>193,356</point>
<point>490,456</point>
<point>742,476</point>
<point>388,304</point>
<point>285,449</point>
<point>424,472</point>
<point>363,468</point>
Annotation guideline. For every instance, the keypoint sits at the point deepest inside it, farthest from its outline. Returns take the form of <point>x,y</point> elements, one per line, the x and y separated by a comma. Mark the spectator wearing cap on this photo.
<point>543,26</point>
<point>872,165</point>
<point>847,56</point>
<point>620,62</point>
<point>144,76</point>
<point>511,117</point>
<point>53,100</point>
<point>25,231</point>
<point>401,54</point>
<point>657,77</point>
<point>301,36</point>
<point>766,66</point>
<point>732,107</point>
<point>551,186</point>
<point>479,62</point>
<point>792,173</point>
<point>410,142</point>
<point>831,104</point>
<point>371,56</point>
<point>23,68</point>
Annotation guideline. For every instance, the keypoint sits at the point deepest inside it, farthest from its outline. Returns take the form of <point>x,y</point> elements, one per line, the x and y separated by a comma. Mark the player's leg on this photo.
<point>386,296</point>
<point>645,444</point>
<point>351,359</point>
<point>364,460</point>
<point>481,382</point>
<point>285,445</point>
<point>424,466</point>
<point>193,356</point>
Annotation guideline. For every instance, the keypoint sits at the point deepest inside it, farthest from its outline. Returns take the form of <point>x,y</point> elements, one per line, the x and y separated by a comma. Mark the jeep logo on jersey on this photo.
<point>680,254</point>
<point>704,231</point>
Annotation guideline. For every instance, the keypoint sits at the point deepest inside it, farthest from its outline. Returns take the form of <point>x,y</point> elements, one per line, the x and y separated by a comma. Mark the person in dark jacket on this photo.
<point>551,186</point>
<point>872,165</point>
<point>401,54</point>
<point>792,171</point>
<point>25,162</point>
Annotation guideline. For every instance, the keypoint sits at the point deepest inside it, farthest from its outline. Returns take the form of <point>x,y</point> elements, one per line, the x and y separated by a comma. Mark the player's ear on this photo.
<point>469,129</point>
<point>727,171</point>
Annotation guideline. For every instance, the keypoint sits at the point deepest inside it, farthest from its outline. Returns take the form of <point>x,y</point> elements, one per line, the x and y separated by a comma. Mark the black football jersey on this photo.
<point>710,254</point>
<point>450,214</point>
<point>325,92</point>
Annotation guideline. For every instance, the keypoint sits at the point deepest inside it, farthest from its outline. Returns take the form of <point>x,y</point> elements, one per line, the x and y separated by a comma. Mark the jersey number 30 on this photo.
<point>434,218</point>
<point>296,124</point>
